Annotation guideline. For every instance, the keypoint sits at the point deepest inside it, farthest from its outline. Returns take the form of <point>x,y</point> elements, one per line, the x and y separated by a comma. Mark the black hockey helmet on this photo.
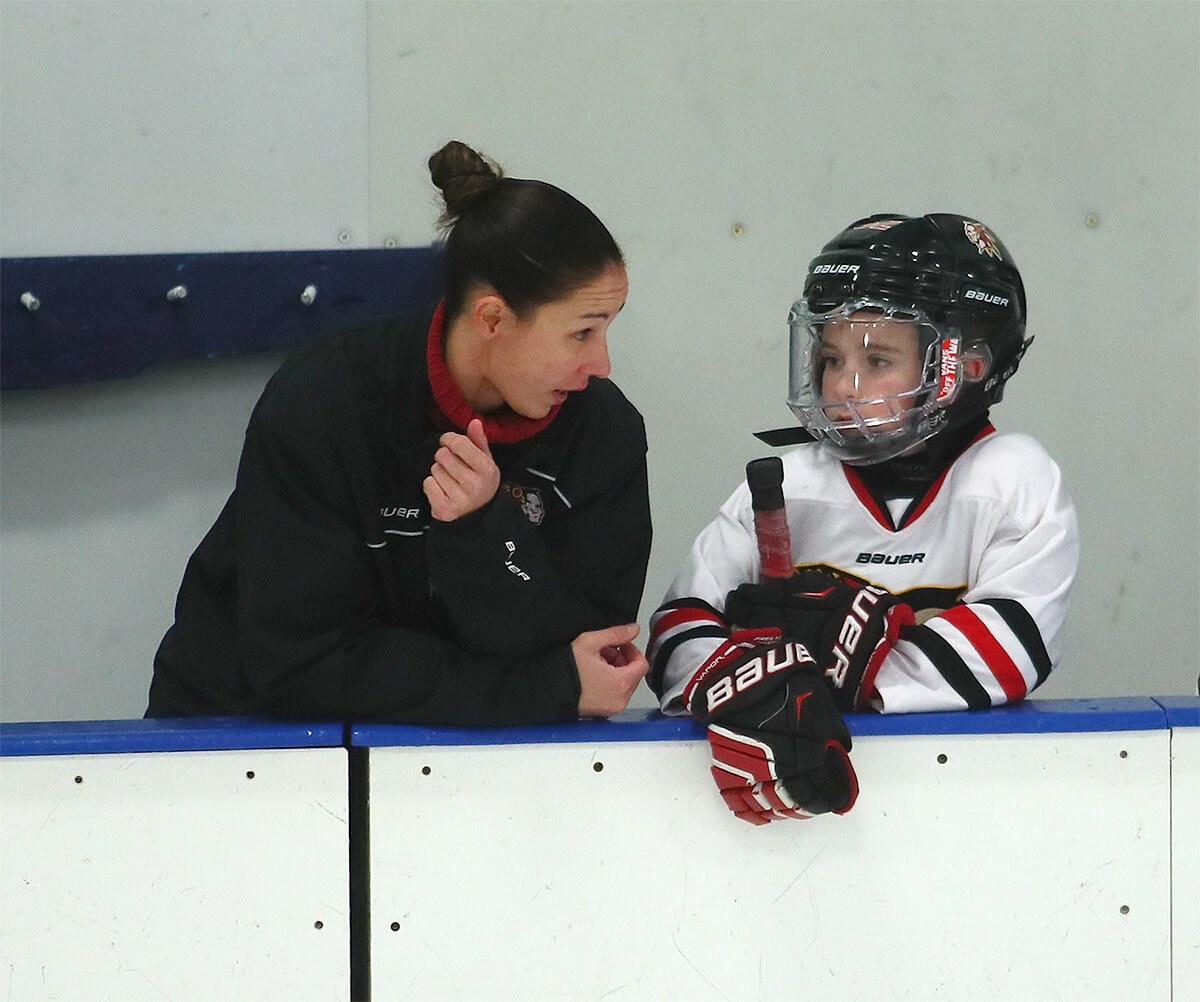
<point>948,277</point>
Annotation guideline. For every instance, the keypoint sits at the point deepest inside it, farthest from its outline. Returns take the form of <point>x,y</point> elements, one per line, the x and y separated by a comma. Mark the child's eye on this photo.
<point>879,361</point>
<point>582,335</point>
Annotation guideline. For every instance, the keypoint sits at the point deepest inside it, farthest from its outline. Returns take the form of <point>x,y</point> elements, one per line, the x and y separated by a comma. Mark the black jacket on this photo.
<point>325,590</point>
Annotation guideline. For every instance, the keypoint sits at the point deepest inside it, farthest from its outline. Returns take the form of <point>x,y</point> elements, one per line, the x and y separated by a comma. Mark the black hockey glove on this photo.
<point>799,605</point>
<point>849,628</point>
<point>779,745</point>
<point>855,642</point>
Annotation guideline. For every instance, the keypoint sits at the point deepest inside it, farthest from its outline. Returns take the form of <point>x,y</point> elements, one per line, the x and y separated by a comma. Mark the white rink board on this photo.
<point>1185,878</point>
<point>520,872</point>
<point>174,876</point>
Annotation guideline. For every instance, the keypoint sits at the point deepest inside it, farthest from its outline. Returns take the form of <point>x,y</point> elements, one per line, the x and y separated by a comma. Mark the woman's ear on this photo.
<point>490,314</point>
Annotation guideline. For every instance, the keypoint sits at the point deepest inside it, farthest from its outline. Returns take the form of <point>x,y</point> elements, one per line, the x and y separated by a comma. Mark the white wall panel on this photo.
<point>1029,867</point>
<point>597,861</point>
<point>107,489</point>
<point>130,877</point>
<point>1185,859</point>
<point>134,126</point>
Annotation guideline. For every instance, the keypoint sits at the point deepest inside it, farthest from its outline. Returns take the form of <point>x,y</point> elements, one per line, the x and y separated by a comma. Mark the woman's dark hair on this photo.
<point>530,241</point>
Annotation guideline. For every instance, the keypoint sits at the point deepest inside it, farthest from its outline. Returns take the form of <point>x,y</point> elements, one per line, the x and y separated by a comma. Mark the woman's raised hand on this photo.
<point>464,477</point>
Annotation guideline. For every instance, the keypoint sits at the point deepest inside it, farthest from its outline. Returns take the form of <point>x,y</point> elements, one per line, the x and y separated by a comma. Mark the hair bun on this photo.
<point>463,176</point>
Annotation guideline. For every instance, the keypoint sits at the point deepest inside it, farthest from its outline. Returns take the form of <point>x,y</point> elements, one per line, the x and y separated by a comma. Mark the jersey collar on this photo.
<point>876,505</point>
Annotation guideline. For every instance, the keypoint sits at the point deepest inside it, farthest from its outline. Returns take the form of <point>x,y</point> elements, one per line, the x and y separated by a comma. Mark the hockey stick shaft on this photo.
<point>765,478</point>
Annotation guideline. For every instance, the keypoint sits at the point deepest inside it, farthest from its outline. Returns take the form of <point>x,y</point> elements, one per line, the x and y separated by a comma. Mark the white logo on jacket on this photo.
<point>511,547</point>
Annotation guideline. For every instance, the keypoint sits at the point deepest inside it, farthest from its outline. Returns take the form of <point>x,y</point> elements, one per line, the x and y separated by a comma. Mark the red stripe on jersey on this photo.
<point>679,617</point>
<point>927,500</point>
<point>964,619</point>
<point>937,484</point>
<point>864,496</point>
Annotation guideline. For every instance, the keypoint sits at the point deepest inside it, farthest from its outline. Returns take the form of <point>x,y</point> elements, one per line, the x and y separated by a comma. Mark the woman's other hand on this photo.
<point>610,668</point>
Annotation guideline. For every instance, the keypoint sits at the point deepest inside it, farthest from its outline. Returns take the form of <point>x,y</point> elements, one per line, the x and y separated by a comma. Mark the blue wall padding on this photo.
<point>103,317</point>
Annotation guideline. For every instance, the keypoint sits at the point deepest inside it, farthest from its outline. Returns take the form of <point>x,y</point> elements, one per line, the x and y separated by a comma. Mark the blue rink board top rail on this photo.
<point>1035,716</point>
<point>84,737</point>
<point>1182,711</point>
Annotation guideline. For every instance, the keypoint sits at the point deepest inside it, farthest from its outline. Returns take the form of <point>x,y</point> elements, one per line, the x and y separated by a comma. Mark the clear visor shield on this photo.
<point>868,381</point>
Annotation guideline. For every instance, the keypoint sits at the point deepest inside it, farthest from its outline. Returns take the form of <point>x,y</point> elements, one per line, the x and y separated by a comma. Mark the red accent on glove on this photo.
<point>745,772</point>
<point>897,617</point>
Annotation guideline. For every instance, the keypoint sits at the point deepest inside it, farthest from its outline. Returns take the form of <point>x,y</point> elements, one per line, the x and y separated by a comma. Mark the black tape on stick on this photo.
<point>765,477</point>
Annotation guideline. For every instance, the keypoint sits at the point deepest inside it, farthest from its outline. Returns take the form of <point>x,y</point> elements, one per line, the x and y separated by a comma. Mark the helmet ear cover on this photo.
<point>993,389</point>
<point>976,361</point>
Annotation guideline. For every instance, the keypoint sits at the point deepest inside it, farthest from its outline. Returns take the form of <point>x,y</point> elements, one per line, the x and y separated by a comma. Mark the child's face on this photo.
<point>866,357</point>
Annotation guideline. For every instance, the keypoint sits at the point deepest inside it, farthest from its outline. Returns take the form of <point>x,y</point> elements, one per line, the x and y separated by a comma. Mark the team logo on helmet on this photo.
<point>529,500</point>
<point>879,224</point>
<point>982,238</point>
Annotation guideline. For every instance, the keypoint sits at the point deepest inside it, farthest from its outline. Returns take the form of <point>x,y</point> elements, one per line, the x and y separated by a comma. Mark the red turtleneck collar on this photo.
<point>452,407</point>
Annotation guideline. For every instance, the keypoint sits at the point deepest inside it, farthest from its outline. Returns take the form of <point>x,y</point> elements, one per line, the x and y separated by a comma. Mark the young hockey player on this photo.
<point>931,556</point>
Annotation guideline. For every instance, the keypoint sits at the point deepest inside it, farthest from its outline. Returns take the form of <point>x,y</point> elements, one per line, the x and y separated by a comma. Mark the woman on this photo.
<point>441,518</point>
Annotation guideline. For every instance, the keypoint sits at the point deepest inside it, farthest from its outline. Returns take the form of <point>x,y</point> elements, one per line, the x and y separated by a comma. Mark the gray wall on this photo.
<point>722,143</point>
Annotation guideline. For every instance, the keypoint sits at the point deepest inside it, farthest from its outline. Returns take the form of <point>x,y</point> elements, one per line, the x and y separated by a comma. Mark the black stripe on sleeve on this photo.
<point>1017,617</point>
<point>663,655</point>
<point>689,603</point>
<point>952,668</point>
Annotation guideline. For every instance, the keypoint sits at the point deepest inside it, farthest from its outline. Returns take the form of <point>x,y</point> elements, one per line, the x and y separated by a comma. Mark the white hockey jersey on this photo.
<point>985,559</point>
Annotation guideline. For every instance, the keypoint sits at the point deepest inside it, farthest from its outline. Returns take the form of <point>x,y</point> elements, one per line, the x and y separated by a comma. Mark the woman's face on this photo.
<point>537,360</point>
